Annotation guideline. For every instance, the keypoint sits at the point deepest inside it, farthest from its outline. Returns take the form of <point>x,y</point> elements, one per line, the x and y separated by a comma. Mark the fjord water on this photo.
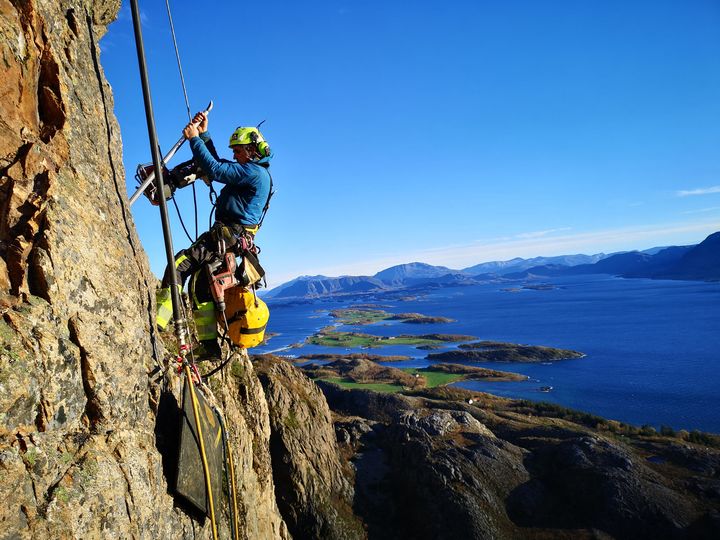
<point>652,346</point>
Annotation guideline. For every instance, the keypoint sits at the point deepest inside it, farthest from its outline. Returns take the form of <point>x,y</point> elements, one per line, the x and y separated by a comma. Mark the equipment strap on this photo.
<point>253,330</point>
<point>267,203</point>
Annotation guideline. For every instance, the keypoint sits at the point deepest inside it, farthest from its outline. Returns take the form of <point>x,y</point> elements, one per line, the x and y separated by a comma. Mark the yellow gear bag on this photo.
<point>247,316</point>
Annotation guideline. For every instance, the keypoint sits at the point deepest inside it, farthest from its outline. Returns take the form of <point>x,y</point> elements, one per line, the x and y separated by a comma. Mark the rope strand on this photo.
<point>177,55</point>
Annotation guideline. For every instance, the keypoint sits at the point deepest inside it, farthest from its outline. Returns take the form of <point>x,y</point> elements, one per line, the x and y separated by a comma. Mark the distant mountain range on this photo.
<point>697,262</point>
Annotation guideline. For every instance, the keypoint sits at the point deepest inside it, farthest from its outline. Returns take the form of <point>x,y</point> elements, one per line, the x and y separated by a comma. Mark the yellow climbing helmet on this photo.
<point>250,135</point>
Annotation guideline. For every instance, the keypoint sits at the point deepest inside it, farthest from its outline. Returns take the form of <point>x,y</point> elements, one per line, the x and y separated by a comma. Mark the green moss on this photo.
<point>4,373</point>
<point>7,334</point>
<point>215,384</point>
<point>31,456</point>
<point>88,471</point>
<point>10,349</point>
<point>237,369</point>
<point>36,300</point>
<point>62,495</point>
<point>66,457</point>
<point>291,420</point>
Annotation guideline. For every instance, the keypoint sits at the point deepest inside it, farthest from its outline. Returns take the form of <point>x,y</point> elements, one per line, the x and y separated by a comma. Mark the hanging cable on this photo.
<point>177,56</point>
<point>177,209</point>
<point>196,211</point>
<point>187,105</point>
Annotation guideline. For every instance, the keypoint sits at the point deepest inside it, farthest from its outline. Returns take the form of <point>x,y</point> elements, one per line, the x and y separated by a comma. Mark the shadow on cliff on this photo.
<point>374,500</point>
<point>589,483</point>
<point>167,442</point>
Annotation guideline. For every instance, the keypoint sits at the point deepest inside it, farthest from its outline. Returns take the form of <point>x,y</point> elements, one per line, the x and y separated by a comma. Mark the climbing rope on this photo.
<point>177,56</point>
<point>189,113</point>
<point>230,475</point>
<point>203,455</point>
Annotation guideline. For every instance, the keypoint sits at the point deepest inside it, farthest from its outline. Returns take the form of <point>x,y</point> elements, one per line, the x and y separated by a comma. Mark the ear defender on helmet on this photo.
<point>263,149</point>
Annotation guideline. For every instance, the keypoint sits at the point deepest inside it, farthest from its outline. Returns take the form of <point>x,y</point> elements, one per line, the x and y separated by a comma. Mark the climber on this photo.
<point>240,209</point>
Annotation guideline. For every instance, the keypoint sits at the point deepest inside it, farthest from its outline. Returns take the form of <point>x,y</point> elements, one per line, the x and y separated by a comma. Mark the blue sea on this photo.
<point>652,347</point>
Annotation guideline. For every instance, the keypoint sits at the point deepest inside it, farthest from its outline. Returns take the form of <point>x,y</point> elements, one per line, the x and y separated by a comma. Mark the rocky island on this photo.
<point>368,375</point>
<point>496,351</point>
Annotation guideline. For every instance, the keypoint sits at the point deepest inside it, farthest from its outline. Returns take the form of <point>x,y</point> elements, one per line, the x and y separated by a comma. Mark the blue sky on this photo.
<point>451,133</point>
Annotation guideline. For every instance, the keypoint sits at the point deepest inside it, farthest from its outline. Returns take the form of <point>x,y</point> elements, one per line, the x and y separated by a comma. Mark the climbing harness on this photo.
<point>223,292</point>
<point>222,279</point>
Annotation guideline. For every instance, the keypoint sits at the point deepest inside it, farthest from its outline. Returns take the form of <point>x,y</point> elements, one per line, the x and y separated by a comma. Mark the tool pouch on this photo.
<point>247,317</point>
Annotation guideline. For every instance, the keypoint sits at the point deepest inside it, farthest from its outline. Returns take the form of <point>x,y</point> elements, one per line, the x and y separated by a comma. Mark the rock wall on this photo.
<point>312,491</point>
<point>432,465</point>
<point>79,392</point>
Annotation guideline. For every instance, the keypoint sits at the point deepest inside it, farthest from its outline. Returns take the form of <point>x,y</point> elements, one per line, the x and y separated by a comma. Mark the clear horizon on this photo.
<point>452,135</point>
<point>509,247</point>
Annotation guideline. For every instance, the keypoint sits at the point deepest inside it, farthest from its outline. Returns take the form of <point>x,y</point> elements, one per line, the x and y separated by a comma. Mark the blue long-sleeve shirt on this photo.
<point>247,186</point>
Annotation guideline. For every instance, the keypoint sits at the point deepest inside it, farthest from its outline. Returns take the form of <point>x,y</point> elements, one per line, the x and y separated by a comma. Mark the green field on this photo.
<point>360,316</point>
<point>433,379</point>
<point>352,340</point>
<point>375,387</point>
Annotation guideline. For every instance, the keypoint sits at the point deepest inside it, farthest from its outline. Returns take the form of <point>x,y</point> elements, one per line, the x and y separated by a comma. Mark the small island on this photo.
<point>498,351</point>
<point>418,318</point>
<point>541,287</point>
<point>363,315</point>
<point>269,336</point>
<point>332,357</point>
<point>532,287</point>
<point>368,375</point>
<point>330,337</point>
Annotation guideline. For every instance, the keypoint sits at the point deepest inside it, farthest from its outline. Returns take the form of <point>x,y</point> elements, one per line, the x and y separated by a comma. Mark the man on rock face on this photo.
<point>239,211</point>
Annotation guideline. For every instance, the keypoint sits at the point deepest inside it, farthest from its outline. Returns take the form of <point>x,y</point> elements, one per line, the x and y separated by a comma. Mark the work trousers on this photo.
<point>190,261</point>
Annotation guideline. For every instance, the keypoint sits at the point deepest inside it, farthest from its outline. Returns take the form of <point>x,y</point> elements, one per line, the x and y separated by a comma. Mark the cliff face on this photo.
<point>311,487</point>
<point>78,356</point>
<point>88,424</point>
<point>433,465</point>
